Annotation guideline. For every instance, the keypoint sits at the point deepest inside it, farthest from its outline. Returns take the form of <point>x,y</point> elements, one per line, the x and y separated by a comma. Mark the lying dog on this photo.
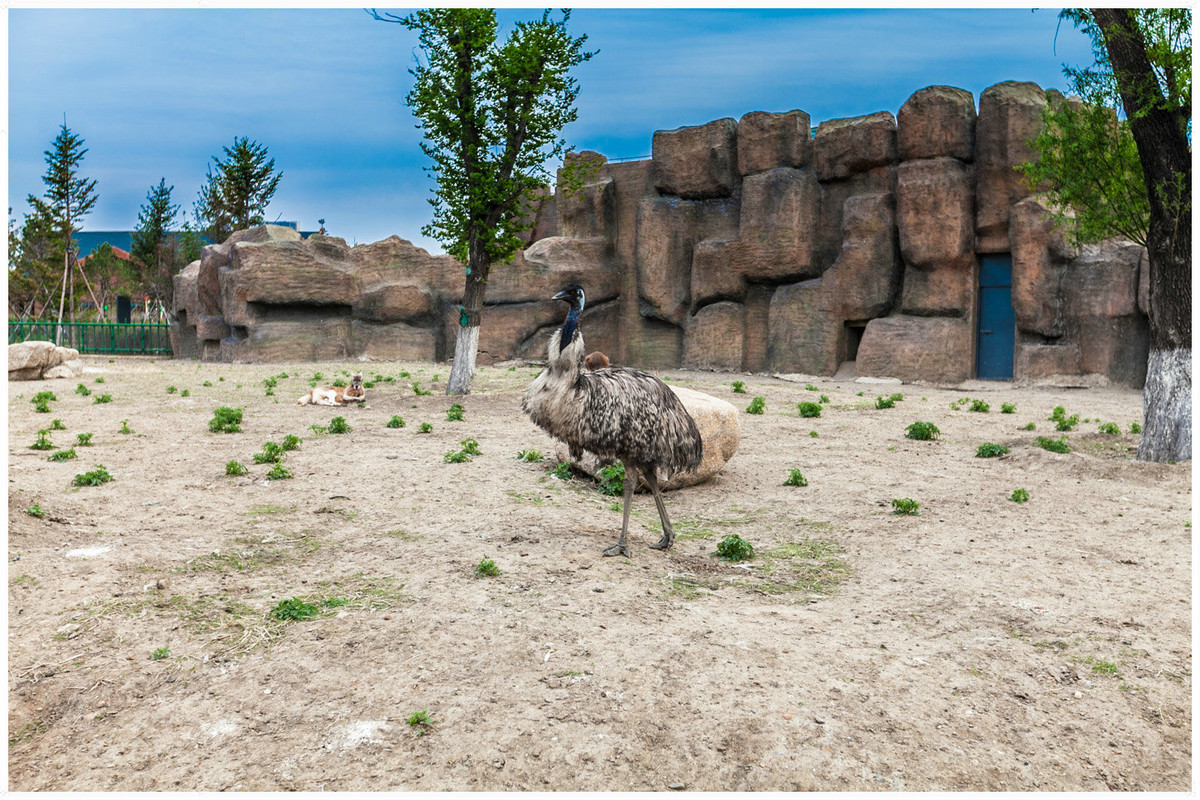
<point>336,395</point>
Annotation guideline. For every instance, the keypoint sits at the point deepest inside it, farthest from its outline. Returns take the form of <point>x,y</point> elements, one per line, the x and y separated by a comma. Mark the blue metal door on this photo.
<point>997,323</point>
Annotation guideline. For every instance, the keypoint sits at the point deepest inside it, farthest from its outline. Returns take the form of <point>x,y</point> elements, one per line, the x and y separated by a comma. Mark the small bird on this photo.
<point>617,413</point>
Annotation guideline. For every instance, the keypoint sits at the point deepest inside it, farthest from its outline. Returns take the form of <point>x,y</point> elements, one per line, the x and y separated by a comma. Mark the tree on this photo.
<point>35,261</point>
<point>1143,68</point>
<point>491,113</point>
<point>68,199</point>
<point>157,253</point>
<point>236,194</point>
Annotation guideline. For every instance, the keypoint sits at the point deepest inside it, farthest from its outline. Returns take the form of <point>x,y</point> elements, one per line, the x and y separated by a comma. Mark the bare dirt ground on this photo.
<point>980,645</point>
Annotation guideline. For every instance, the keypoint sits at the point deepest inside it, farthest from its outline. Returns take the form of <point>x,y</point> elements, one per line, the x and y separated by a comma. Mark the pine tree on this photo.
<point>237,192</point>
<point>156,251</point>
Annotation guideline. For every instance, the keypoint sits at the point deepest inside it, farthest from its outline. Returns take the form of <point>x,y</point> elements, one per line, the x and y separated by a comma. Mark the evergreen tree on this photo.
<point>237,192</point>
<point>491,113</point>
<point>156,252</point>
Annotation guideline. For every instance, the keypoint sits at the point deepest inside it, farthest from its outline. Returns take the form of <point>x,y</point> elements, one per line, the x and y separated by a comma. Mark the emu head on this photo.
<point>573,294</point>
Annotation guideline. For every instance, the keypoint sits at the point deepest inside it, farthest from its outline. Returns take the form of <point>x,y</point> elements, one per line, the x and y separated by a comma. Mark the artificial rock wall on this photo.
<point>740,245</point>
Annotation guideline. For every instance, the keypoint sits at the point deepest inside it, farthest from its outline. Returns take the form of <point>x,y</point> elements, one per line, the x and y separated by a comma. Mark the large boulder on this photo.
<point>766,141</point>
<point>550,264</point>
<point>779,215</point>
<point>713,337</point>
<point>1040,255</point>
<point>936,122</point>
<point>933,212</point>
<point>844,147</point>
<point>916,349</point>
<point>698,162</point>
<point>866,275</point>
<point>34,360</point>
<point>1009,119</point>
<point>720,431</point>
<point>666,234</point>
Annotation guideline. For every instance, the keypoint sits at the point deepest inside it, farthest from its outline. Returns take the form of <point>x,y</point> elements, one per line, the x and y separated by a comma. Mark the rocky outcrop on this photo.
<point>34,360</point>
<point>748,244</point>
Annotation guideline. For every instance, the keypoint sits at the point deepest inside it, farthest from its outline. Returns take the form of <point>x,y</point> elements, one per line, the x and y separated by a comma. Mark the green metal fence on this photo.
<point>128,338</point>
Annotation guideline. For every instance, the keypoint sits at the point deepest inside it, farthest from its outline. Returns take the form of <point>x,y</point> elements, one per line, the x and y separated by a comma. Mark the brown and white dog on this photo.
<point>336,395</point>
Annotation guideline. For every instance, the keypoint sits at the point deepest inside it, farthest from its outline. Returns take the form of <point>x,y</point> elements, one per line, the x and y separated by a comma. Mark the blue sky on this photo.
<point>156,93</point>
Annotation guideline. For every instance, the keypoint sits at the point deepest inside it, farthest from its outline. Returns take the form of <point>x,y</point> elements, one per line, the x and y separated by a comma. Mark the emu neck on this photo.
<point>570,327</point>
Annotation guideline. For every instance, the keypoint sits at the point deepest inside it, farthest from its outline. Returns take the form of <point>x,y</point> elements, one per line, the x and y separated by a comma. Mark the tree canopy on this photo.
<point>236,193</point>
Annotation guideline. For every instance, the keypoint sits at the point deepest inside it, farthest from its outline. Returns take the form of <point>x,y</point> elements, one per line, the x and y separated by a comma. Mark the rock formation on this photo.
<point>34,360</point>
<point>751,244</point>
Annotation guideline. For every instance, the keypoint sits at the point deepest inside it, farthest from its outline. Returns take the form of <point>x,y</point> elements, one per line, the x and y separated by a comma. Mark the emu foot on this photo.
<point>618,549</point>
<point>664,543</point>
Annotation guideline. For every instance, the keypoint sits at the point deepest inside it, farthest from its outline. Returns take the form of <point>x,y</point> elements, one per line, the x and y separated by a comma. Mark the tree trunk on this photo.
<point>1163,150</point>
<point>466,344</point>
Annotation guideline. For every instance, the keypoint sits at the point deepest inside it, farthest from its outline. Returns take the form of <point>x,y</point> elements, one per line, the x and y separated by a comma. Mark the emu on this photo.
<point>617,413</point>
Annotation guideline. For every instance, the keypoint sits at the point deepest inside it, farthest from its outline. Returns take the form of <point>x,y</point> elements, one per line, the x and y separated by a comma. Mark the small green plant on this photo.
<point>810,388</point>
<point>418,390</point>
<point>757,405</point>
<point>420,722</point>
<point>271,453</point>
<point>395,422</point>
<point>425,427</point>
<point>1008,408</point>
<point>471,447</point>
<point>561,470</point>
<point>97,477</point>
<point>824,399</point>
<point>922,431</point>
<point>82,390</point>
<point>905,507</point>
<point>990,450</point>
<point>159,654</point>
<point>1030,427</point>
<point>291,442</point>
<point>36,511</point>
<point>171,390</point>
<point>279,472</point>
<point>1019,496</point>
<point>1061,420</point>
<point>101,398</point>
<point>739,387</point>
<point>612,480</point>
<point>814,434</point>
<point>235,468</point>
<point>225,420</point>
<point>62,455</point>
<point>125,427</point>
<point>486,567</point>
<point>44,396</point>
<point>1053,445</point>
<point>43,441</point>
<point>734,548</point>
<point>294,610</point>
<point>456,456</point>
<point>794,478</point>
<point>100,378</point>
<point>455,413</point>
<point>1110,428</point>
<point>809,409</point>
<point>1135,427</point>
<point>319,430</point>
<point>884,402</point>
<point>980,406</point>
<point>339,425</point>
<point>57,425</point>
<point>207,383</point>
<point>529,455</point>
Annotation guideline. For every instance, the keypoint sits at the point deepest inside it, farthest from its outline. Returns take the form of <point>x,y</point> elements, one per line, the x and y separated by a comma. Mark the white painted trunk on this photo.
<point>462,373</point>
<point>1167,400</point>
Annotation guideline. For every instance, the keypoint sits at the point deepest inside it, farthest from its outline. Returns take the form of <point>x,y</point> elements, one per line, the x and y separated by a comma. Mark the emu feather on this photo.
<point>617,413</point>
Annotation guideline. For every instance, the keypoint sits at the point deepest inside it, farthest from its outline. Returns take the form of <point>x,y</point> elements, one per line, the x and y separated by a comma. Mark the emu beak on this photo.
<point>561,296</point>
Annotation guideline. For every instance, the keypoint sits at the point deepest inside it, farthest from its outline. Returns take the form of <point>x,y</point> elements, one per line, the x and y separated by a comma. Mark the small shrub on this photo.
<point>734,548</point>
<point>159,654</point>
<point>1019,496</point>
<point>897,397</point>
<point>1110,428</point>
<point>990,450</point>
<point>171,390</point>
<point>922,431</point>
<point>529,455</point>
<point>561,470</point>
<point>1053,445</point>
<point>906,507</point>
<point>980,406</point>
<point>612,480</point>
<point>101,398</point>
<point>185,393</point>
<point>884,402</point>
<point>795,478</point>
<point>395,422</point>
<point>100,378</point>
<point>739,387</point>
<point>420,721</point>
<point>207,383</point>
<point>57,425</point>
<point>279,472</point>
<point>271,454</point>
<point>813,434</point>
<point>1030,427</point>
<point>291,442</point>
<point>809,409</point>
<point>339,382</point>
<point>97,477</point>
<point>418,390</point>
<point>82,390</point>
<point>425,427</point>
<point>294,610</point>
<point>43,441</point>
<point>1067,424</point>
<point>225,420</point>
<point>235,468</point>
<point>1135,427</point>
<point>470,447</point>
<point>62,455</point>
<point>36,511</point>
<point>339,425</point>
<point>125,427</point>
<point>318,430</point>
<point>1008,408</point>
<point>824,399</point>
<point>44,396</point>
<point>757,405</point>
<point>454,413</point>
<point>810,388</point>
<point>456,456</point>
<point>486,567</point>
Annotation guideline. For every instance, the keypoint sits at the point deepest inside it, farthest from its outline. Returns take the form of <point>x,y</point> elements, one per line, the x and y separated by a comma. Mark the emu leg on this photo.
<point>668,537</point>
<point>620,548</point>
